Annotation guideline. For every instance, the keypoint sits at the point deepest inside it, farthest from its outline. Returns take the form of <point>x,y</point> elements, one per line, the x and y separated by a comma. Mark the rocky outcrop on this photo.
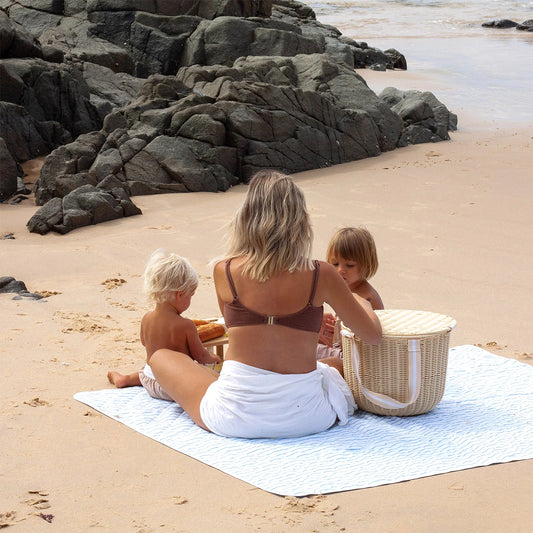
<point>425,118</point>
<point>527,25</point>
<point>8,172</point>
<point>211,127</point>
<point>10,284</point>
<point>134,97</point>
<point>83,206</point>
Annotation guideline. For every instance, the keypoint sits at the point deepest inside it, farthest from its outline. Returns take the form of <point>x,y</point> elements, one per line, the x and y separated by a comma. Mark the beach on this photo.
<point>453,237</point>
<point>452,223</point>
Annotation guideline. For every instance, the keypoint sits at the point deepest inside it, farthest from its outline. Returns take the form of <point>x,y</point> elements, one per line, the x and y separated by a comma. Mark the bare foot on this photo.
<point>119,380</point>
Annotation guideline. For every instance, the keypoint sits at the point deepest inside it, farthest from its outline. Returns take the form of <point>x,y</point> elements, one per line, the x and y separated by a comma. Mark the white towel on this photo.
<point>251,402</point>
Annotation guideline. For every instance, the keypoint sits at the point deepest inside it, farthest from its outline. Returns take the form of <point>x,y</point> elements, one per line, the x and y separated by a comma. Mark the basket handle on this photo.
<point>415,367</point>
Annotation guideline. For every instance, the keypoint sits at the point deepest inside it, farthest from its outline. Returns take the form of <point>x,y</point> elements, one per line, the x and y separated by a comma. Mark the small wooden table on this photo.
<point>218,344</point>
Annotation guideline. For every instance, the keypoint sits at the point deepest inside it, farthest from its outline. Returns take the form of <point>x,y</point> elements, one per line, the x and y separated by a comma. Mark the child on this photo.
<point>352,251</point>
<point>169,283</point>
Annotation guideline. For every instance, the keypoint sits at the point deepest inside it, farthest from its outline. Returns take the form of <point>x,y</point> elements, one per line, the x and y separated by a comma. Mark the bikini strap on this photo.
<point>315,281</point>
<point>230,280</point>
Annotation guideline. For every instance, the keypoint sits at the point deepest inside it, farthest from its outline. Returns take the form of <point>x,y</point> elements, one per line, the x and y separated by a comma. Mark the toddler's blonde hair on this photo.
<point>167,272</point>
<point>354,244</point>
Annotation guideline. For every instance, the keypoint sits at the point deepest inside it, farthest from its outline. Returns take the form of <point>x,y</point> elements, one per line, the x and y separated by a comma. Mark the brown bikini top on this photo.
<point>307,319</point>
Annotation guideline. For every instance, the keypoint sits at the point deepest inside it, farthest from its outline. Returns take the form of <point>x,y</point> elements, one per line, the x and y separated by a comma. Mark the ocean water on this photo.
<point>485,74</point>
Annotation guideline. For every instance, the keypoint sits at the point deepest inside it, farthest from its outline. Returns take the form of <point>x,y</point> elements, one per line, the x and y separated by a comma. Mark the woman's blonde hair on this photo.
<point>166,273</point>
<point>354,244</point>
<point>272,228</point>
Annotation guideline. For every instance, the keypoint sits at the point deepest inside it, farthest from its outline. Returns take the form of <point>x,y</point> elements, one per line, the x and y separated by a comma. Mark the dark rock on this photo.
<point>21,132</point>
<point>211,127</point>
<point>502,23</point>
<point>49,6</point>
<point>17,199</point>
<point>16,41</point>
<point>527,25</point>
<point>21,186</point>
<point>55,96</point>
<point>34,21</point>
<point>201,8</point>
<point>396,59</point>
<point>425,118</point>
<point>63,169</point>
<point>83,206</point>
<point>9,284</point>
<point>136,97</point>
<point>46,217</point>
<point>73,7</point>
<point>53,54</point>
<point>8,172</point>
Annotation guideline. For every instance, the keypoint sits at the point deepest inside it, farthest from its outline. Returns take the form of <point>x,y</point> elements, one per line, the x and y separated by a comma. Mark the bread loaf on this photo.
<point>210,330</point>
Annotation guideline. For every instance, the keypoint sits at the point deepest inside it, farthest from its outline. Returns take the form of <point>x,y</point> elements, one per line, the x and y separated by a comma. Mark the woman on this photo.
<point>271,295</point>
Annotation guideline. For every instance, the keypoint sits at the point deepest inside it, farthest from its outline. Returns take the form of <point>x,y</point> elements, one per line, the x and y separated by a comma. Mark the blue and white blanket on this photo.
<point>485,417</point>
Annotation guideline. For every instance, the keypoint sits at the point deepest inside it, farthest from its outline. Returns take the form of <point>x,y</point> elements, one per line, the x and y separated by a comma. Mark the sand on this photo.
<point>453,226</point>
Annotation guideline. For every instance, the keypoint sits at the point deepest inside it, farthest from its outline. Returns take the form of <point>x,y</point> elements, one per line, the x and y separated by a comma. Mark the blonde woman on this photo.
<point>271,294</point>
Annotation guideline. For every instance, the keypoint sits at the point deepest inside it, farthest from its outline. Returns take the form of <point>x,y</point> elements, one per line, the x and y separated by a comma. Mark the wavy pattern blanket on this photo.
<point>485,417</point>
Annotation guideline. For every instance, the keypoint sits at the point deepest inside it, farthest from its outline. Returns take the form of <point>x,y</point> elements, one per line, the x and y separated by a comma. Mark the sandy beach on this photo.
<point>452,222</point>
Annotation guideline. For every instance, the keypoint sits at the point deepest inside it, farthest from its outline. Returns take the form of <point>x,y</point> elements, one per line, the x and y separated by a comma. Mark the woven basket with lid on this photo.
<point>406,374</point>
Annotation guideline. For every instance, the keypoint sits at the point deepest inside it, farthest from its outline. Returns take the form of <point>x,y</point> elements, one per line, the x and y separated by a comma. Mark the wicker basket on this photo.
<point>405,375</point>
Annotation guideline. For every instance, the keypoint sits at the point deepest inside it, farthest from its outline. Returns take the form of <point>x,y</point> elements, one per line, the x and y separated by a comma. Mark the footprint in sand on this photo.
<point>47,294</point>
<point>113,283</point>
<point>163,226</point>
<point>39,499</point>
<point>37,402</point>
<point>8,519</point>
<point>491,345</point>
<point>84,323</point>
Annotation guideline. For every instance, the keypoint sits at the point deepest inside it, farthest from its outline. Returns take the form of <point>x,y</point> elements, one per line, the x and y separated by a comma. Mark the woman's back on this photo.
<point>289,297</point>
<point>282,349</point>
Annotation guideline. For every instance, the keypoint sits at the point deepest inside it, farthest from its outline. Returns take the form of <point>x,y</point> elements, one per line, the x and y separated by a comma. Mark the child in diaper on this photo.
<point>169,283</point>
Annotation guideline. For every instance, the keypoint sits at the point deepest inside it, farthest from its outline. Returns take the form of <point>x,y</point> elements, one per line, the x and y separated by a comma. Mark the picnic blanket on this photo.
<point>485,417</point>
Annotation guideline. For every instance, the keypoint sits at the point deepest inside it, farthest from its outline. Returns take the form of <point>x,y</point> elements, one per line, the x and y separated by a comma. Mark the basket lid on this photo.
<point>404,322</point>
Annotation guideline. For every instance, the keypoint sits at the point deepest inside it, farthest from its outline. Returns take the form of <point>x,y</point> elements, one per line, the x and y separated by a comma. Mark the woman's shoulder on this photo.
<point>220,264</point>
<point>325,268</point>
<point>328,276</point>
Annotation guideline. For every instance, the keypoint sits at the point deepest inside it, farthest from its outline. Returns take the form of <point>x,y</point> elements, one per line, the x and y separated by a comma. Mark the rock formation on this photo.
<point>527,25</point>
<point>134,97</point>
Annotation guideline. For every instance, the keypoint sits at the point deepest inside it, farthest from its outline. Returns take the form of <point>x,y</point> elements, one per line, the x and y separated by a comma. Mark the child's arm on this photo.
<point>327,330</point>
<point>197,350</point>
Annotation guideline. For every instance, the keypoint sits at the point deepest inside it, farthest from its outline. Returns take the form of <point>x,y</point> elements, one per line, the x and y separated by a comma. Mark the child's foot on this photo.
<point>119,380</point>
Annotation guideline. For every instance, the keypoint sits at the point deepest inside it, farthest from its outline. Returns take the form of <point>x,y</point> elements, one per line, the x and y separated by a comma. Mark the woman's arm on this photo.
<point>354,311</point>
<point>220,279</point>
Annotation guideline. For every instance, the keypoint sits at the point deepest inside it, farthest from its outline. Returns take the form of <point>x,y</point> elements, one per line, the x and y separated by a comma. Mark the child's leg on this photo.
<point>183,379</point>
<point>335,362</point>
<point>120,380</point>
